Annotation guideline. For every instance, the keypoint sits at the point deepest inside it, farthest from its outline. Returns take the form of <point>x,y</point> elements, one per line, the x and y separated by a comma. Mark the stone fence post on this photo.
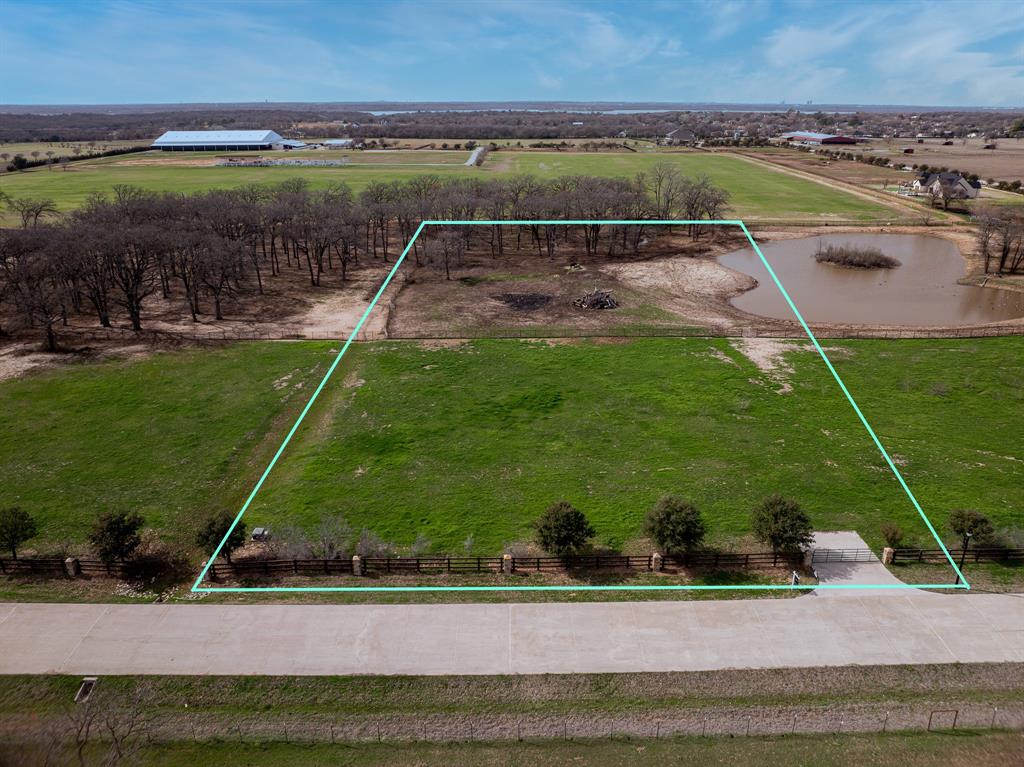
<point>357,565</point>
<point>72,567</point>
<point>657,562</point>
<point>506,564</point>
<point>887,555</point>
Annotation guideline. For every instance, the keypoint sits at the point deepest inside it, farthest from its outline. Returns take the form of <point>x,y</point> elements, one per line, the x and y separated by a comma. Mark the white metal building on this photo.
<point>222,141</point>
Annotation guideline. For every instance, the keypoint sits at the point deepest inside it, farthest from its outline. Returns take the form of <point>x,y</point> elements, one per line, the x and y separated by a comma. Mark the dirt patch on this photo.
<point>769,355</point>
<point>18,359</point>
<point>697,289</point>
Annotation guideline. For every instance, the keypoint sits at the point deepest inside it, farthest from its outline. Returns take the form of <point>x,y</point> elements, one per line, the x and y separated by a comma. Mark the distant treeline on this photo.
<point>330,122</point>
<point>200,249</point>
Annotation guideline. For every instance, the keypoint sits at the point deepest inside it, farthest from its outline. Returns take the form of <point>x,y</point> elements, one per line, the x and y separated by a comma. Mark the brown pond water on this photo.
<point>922,291</point>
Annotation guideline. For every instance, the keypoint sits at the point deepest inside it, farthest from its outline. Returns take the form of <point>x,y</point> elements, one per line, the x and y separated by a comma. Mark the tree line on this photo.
<point>117,251</point>
<point>1001,238</point>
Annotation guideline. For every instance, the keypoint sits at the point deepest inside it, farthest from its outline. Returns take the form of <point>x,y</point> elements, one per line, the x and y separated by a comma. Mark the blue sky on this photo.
<point>925,53</point>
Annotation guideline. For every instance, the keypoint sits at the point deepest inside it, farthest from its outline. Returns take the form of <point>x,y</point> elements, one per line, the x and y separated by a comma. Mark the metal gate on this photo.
<point>821,556</point>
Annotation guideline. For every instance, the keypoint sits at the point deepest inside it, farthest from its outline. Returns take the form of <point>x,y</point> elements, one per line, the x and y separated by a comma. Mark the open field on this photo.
<point>66,148</point>
<point>397,157</point>
<point>1004,163</point>
<point>757,192</point>
<point>512,427</point>
<point>841,170</point>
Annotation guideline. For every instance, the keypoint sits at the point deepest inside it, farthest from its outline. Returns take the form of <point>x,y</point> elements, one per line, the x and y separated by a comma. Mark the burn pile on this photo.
<point>596,299</point>
<point>524,302</point>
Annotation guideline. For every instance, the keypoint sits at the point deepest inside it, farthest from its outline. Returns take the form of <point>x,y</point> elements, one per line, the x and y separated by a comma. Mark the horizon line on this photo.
<point>495,105</point>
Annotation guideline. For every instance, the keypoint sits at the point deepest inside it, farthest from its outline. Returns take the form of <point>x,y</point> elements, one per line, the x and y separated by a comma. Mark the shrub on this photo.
<point>892,535</point>
<point>372,545</point>
<point>115,536</point>
<point>154,558</point>
<point>563,529</point>
<point>212,533</point>
<point>855,258</point>
<point>16,527</point>
<point>782,524</point>
<point>675,525</point>
<point>968,522</point>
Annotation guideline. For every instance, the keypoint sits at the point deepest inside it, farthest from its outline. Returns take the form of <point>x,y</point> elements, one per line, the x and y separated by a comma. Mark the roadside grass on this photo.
<point>556,694</point>
<point>757,192</point>
<point>983,576</point>
<point>107,590</point>
<point>479,438</point>
<point>980,749</point>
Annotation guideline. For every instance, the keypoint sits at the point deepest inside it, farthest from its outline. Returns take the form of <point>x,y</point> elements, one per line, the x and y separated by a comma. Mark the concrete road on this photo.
<point>871,572</point>
<point>911,627</point>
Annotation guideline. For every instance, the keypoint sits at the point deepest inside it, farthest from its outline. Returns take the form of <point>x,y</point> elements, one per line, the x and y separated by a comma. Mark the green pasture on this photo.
<point>757,192</point>
<point>478,439</point>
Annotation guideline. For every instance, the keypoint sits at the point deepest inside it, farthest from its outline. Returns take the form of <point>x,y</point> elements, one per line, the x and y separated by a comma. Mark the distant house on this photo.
<point>679,136</point>
<point>222,141</point>
<point>934,183</point>
<point>810,137</point>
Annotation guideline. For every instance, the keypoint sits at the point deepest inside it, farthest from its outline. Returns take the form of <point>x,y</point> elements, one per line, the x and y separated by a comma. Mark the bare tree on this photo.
<point>31,210</point>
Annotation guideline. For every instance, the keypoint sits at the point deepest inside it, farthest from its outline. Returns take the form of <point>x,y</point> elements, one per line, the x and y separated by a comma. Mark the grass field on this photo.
<point>479,439</point>
<point>65,148</point>
<point>170,435</point>
<point>757,192</point>
<point>909,750</point>
<point>249,720</point>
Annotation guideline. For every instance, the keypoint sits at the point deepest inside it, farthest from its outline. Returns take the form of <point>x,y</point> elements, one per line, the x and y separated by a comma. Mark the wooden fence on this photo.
<point>274,568</point>
<point>398,565</point>
<point>56,567</point>
<point>377,566</point>
<point>973,555</point>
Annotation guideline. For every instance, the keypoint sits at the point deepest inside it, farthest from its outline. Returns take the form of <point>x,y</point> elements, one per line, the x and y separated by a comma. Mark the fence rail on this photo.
<point>973,555</point>
<point>399,565</point>
<point>57,567</point>
<point>377,566</point>
<point>281,567</point>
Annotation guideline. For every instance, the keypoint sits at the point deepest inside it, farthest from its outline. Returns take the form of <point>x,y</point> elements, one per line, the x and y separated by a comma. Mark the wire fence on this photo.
<point>707,722</point>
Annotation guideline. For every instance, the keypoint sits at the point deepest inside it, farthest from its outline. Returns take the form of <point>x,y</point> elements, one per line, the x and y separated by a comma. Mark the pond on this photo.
<point>922,291</point>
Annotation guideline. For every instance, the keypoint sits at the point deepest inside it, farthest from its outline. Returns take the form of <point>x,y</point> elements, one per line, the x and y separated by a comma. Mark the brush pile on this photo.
<point>596,299</point>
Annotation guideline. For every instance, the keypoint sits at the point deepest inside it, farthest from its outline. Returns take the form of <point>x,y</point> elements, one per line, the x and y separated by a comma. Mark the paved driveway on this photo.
<point>911,627</point>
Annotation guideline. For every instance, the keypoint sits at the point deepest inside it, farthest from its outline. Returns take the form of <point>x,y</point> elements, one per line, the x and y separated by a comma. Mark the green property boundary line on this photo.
<point>961,581</point>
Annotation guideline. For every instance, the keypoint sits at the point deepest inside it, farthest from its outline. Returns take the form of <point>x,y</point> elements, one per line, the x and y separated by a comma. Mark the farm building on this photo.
<point>808,137</point>
<point>223,141</point>
<point>339,143</point>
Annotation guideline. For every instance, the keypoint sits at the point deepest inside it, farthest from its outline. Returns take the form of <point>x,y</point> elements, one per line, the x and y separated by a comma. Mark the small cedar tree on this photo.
<point>563,529</point>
